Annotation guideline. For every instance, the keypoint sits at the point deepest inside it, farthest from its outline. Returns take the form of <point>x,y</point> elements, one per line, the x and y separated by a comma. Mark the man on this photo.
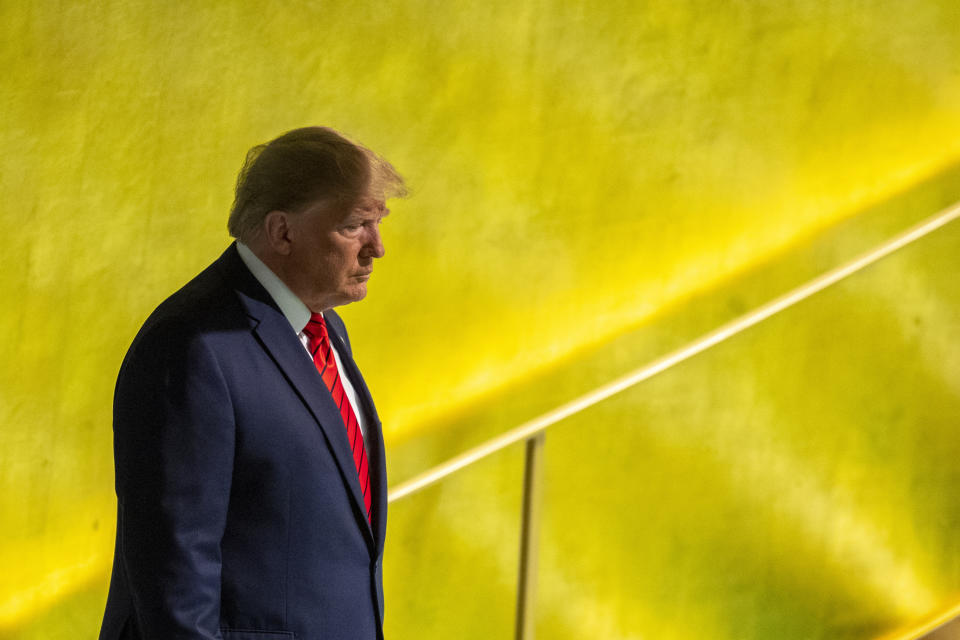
<point>251,487</point>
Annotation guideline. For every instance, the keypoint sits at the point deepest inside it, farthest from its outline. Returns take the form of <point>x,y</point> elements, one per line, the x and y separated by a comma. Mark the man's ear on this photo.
<point>276,229</point>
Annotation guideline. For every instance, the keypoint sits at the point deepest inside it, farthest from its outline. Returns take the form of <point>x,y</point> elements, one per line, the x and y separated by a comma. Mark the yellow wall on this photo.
<point>593,184</point>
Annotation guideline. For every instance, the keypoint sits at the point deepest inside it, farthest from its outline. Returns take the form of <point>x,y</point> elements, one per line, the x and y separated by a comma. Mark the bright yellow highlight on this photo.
<point>804,504</point>
<point>38,595</point>
<point>727,331</point>
<point>40,571</point>
<point>919,631</point>
<point>698,276</point>
<point>594,185</point>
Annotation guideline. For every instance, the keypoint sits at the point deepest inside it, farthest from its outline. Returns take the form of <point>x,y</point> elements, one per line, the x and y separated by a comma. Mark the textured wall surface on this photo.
<point>593,185</point>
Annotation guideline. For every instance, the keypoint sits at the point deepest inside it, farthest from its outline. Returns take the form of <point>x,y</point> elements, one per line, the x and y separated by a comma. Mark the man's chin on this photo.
<point>355,293</point>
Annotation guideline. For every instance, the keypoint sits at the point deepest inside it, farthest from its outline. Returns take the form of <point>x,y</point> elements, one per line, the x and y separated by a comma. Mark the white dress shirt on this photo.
<point>297,314</point>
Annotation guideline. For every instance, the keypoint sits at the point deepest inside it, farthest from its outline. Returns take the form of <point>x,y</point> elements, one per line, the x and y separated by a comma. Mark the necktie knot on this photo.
<point>316,331</point>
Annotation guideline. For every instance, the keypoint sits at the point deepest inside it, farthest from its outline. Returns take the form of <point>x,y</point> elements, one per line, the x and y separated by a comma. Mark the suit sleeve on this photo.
<point>174,448</point>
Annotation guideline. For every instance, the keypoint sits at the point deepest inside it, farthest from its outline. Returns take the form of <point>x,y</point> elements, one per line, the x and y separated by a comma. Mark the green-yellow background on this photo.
<point>594,184</point>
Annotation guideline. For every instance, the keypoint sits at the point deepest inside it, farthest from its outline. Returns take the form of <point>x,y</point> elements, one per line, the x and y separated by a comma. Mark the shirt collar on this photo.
<point>292,307</point>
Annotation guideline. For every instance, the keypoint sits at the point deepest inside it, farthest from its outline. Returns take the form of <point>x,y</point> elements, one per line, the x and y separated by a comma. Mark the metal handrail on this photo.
<point>539,424</point>
<point>533,431</point>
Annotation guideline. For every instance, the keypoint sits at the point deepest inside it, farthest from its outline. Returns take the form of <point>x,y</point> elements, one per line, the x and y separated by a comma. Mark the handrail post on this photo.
<point>529,537</point>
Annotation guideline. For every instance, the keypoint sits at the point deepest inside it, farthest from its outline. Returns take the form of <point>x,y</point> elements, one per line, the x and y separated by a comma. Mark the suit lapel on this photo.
<point>277,337</point>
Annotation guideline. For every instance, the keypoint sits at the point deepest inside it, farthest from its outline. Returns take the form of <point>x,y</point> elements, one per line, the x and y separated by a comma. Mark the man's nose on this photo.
<point>374,245</point>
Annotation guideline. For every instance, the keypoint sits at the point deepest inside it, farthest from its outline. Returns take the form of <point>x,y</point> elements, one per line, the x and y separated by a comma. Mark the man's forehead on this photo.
<point>338,210</point>
<point>370,205</point>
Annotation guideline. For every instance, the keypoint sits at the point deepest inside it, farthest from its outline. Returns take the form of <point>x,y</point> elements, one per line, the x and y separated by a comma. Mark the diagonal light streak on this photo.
<point>928,627</point>
<point>725,332</point>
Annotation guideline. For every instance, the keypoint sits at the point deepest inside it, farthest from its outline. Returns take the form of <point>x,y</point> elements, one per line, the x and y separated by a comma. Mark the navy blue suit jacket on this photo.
<point>240,515</point>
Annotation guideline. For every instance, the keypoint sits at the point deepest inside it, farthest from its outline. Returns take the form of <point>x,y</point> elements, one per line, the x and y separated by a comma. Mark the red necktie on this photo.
<point>318,341</point>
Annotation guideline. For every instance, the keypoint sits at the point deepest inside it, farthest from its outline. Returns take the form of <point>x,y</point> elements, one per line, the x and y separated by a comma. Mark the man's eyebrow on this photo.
<point>362,211</point>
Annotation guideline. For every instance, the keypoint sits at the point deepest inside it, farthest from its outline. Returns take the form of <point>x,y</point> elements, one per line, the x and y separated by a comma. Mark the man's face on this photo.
<point>332,251</point>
